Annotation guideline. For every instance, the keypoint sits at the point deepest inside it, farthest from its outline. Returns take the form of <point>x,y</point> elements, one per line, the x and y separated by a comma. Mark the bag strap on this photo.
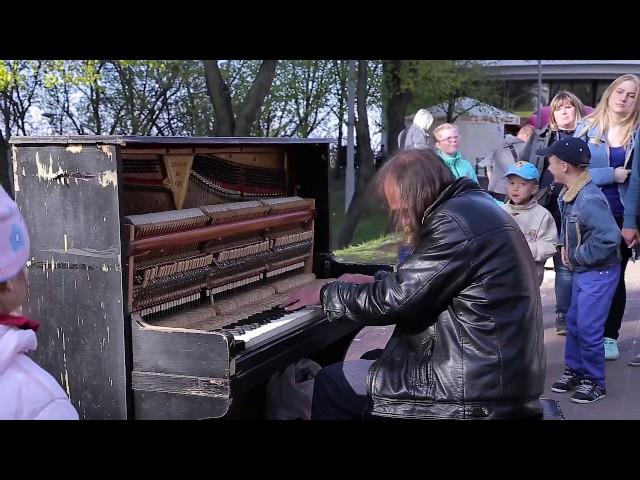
<point>513,152</point>
<point>403,137</point>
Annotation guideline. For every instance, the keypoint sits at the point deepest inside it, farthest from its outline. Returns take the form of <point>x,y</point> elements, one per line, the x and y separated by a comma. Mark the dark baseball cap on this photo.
<point>569,149</point>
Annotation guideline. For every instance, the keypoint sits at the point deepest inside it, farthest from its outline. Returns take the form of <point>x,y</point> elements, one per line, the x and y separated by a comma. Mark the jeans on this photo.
<point>591,300</point>
<point>619,303</point>
<point>340,391</point>
<point>563,285</point>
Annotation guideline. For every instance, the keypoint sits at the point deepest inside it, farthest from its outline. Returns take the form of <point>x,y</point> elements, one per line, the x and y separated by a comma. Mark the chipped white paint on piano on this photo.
<point>46,172</point>
<point>108,177</point>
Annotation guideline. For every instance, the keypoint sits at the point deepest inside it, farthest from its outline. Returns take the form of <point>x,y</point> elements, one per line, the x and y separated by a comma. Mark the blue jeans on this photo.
<point>340,391</point>
<point>590,302</point>
<point>563,285</point>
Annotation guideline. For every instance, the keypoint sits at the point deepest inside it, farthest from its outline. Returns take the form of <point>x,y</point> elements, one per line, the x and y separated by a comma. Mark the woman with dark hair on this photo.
<point>468,341</point>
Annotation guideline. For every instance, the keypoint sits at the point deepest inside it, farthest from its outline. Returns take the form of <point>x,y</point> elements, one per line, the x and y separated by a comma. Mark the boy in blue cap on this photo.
<point>534,220</point>
<point>590,238</point>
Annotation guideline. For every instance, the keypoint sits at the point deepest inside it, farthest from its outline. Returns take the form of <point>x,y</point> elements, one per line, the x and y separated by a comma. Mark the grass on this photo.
<point>383,249</point>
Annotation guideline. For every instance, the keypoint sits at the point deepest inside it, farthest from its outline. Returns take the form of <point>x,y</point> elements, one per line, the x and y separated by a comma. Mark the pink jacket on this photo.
<point>28,392</point>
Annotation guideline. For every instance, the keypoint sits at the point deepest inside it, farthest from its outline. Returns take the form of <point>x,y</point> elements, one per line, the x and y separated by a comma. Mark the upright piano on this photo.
<point>158,265</point>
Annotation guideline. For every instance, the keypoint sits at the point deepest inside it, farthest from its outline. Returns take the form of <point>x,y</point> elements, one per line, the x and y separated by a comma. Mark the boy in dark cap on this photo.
<point>589,236</point>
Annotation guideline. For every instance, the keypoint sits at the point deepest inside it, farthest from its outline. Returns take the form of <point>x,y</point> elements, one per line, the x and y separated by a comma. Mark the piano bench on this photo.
<point>551,410</point>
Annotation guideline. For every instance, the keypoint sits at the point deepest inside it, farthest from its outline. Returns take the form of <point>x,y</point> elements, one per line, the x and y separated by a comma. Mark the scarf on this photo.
<point>22,323</point>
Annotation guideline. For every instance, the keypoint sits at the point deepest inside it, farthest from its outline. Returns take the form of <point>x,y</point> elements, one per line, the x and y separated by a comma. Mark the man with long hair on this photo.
<point>468,342</point>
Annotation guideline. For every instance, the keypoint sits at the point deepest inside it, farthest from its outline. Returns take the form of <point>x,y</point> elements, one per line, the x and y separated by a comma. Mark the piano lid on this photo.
<point>125,140</point>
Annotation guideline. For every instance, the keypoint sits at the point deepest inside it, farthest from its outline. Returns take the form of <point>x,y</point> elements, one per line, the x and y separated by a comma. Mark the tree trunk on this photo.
<point>255,98</point>
<point>4,165</point>
<point>351,219</point>
<point>226,124</point>
<point>397,103</point>
<point>342,88</point>
<point>220,96</point>
<point>366,159</point>
<point>451,104</point>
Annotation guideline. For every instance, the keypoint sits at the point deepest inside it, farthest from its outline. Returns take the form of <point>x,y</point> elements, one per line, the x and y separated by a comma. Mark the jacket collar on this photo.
<point>449,159</point>
<point>569,194</point>
<point>458,187</point>
<point>521,208</point>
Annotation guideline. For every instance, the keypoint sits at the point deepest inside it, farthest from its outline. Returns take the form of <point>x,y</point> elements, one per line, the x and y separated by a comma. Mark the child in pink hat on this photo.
<point>27,392</point>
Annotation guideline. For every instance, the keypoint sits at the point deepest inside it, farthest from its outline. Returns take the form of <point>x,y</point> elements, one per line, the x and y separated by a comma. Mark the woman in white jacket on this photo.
<point>27,392</point>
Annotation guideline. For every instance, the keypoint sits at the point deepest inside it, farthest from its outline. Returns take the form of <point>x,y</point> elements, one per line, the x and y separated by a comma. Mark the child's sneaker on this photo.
<point>611,351</point>
<point>567,382</point>
<point>588,392</point>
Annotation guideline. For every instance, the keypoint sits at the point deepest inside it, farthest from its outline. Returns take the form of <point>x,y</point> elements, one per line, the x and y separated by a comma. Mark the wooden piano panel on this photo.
<point>75,192</point>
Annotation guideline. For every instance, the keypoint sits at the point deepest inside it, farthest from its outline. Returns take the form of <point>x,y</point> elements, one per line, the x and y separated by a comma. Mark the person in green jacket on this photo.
<point>447,143</point>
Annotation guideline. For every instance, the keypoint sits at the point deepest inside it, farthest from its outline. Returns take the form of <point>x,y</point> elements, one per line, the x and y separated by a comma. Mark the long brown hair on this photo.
<point>420,177</point>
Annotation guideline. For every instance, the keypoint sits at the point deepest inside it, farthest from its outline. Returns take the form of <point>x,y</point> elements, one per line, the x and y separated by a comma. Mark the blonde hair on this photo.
<point>561,98</point>
<point>444,126</point>
<point>601,118</point>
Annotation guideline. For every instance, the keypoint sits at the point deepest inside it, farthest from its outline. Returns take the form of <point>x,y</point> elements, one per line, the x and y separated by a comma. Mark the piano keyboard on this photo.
<point>261,327</point>
<point>253,317</point>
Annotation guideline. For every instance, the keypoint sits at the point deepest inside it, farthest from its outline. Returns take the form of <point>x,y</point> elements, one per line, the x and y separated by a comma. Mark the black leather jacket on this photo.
<point>468,341</point>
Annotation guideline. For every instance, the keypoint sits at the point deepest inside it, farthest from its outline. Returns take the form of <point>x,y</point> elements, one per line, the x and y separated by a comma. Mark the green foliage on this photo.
<point>446,80</point>
<point>305,96</point>
<point>431,82</point>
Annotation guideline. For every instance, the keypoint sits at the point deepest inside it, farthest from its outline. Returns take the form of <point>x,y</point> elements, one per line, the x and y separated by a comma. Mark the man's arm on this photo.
<point>605,234</point>
<point>434,275</point>
<point>547,241</point>
<point>632,197</point>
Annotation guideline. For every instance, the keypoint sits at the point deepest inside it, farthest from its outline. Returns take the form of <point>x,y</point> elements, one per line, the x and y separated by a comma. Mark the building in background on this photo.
<point>481,126</point>
<point>586,78</point>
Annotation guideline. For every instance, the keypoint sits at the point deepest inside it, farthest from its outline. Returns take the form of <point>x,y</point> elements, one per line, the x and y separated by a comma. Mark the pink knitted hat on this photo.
<point>14,238</point>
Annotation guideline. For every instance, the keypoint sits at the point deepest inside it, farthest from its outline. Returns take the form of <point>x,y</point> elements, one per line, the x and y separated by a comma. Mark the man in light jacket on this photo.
<point>505,156</point>
<point>416,136</point>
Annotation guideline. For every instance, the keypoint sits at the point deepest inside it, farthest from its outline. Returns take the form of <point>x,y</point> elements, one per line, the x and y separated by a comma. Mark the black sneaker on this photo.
<point>561,324</point>
<point>567,382</point>
<point>588,392</point>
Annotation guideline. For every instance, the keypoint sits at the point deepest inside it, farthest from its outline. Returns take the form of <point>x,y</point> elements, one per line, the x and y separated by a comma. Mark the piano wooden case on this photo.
<point>158,264</point>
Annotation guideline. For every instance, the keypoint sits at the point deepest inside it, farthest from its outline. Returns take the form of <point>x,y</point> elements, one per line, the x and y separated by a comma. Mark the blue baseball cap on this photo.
<point>525,170</point>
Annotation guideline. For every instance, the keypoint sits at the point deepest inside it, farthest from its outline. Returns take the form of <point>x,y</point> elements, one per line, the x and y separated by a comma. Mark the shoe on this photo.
<point>561,324</point>
<point>635,361</point>
<point>611,351</point>
<point>567,382</point>
<point>588,392</point>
